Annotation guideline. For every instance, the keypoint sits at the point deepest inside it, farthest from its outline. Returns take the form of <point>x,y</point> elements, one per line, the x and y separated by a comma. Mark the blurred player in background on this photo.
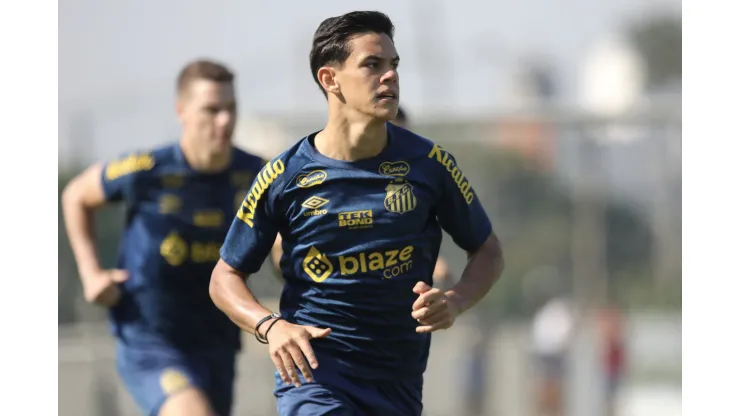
<point>361,206</point>
<point>552,338</point>
<point>441,276</point>
<point>614,354</point>
<point>175,350</point>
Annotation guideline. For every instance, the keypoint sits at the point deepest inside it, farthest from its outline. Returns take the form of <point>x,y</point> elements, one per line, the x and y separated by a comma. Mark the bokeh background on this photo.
<point>566,117</point>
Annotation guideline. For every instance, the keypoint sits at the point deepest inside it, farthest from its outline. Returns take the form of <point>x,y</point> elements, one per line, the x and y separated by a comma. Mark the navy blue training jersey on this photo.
<point>357,237</point>
<point>176,221</point>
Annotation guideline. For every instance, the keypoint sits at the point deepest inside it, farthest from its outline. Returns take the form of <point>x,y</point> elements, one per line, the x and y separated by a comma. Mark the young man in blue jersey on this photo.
<point>175,350</point>
<point>361,206</point>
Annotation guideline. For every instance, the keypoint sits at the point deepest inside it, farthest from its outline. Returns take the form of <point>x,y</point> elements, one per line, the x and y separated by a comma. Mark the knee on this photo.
<point>188,402</point>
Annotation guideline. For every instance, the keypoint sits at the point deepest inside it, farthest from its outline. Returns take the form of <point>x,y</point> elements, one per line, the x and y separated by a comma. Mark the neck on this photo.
<point>352,139</point>
<point>205,162</point>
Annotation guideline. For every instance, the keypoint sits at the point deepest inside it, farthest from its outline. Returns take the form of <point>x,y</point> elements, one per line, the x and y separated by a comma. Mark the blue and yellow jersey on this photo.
<point>357,237</point>
<point>176,221</point>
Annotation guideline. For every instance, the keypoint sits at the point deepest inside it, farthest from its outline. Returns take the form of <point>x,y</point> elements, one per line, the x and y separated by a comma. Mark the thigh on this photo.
<point>152,375</point>
<point>188,402</point>
<point>312,399</point>
<point>388,398</point>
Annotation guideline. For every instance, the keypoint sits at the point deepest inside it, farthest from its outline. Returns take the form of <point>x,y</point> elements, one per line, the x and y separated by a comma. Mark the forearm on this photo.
<point>275,255</point>
<point>481,273</point>
<point>78,221</point>
<point>231,295</point>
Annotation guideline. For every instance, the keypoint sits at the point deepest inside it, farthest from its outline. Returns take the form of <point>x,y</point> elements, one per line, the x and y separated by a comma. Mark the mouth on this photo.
<point>388,96</point>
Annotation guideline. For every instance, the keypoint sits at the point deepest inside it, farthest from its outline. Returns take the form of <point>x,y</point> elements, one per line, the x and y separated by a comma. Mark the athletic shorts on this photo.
<point>151,374</point>
<point>342,395</point>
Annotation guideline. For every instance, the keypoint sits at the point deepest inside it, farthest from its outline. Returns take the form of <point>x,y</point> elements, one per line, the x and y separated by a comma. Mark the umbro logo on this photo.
<point>313,204</point>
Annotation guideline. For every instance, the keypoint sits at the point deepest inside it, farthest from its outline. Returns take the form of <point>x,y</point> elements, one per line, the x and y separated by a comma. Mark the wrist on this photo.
<point>457,301</point>
<point>90,272</point>
<point>272,326</point>
<point>261,327</point>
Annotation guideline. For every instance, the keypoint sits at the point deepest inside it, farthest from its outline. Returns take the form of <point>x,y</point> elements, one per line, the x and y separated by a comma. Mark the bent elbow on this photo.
<point>214,287</point>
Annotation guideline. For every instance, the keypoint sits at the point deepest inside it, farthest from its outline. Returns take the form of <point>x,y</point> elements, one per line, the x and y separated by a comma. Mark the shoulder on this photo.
<point>138,162</point>
<point>422,150</point>
<point>244,160</point>
<point>410,144</point>
<point>276,173</point>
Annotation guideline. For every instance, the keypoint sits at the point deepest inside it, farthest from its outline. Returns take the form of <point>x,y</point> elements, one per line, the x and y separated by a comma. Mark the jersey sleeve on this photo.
<point>459,210</point>
<point>119,176</point>
<point>253,230</point>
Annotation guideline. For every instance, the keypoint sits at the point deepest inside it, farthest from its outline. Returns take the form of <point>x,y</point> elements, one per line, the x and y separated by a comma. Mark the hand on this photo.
<point>289,344</point>
<point>102,288</point>
<point>433,309</point>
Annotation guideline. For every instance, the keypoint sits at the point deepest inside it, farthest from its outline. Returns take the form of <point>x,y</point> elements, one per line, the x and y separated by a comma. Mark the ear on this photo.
<point>328,79</point>
<point>180,107</point>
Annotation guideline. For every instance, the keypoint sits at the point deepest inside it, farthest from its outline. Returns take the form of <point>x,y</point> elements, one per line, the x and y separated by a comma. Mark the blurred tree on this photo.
<point>533,213</point>
<point>659,41</point>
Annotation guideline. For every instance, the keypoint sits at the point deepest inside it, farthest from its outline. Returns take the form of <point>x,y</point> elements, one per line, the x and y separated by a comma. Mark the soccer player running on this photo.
<point>175,350</point>
<point>361,206</point>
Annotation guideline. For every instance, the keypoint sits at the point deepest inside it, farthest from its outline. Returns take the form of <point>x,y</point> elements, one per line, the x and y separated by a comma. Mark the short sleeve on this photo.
<point>119,176</point>
<point>253,230</point>
<point>459,210</point>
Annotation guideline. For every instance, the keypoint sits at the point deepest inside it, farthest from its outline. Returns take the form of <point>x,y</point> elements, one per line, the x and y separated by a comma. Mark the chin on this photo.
<point>387,114</point>
<point>221,146</point>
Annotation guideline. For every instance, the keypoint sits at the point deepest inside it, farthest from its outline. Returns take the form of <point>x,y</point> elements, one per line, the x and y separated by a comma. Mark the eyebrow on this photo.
<point>380,58</point>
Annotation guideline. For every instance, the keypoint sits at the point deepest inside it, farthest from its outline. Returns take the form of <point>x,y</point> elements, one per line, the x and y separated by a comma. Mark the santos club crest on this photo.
<point>399,196</point>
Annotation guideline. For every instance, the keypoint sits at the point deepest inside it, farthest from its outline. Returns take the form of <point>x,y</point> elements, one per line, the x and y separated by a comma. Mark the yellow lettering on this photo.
<point>391,258</point>
<point>376,261</point>
<point>363,263</point>
<point>397,270</point>
<point>128,165</point>
<point>265,178</point>
<point>310,179</point>
<point>356,219</point>
<point>406,253</point>
<point>205,252</point>
<point>443,158</point>
<point>436,153</point>
<point>176,250</point>
<point>344,269</point>
<point>385,261</point>
<point>208,219</point>
<point>315,213</point>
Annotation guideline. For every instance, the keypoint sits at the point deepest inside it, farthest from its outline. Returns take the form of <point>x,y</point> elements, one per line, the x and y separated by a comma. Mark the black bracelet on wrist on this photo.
<point>267,331</point>
<point>257,335</point>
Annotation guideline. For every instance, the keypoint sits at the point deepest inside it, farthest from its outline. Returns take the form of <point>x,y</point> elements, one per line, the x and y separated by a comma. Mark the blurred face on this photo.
<point>207,111</point>
<point>368,80</point>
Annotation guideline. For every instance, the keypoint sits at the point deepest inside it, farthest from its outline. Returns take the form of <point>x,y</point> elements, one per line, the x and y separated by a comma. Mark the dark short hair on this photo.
<point>203,69</point>
<point>331,39</point>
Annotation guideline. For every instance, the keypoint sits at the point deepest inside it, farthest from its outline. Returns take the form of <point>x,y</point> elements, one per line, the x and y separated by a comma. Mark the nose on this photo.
<point>224,118</point>
<point>391,76</point>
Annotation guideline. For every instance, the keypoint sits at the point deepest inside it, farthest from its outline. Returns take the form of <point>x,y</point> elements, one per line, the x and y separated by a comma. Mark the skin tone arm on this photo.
<point>80,198</point>
<point>435,309</point>
<point>288,343</point>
